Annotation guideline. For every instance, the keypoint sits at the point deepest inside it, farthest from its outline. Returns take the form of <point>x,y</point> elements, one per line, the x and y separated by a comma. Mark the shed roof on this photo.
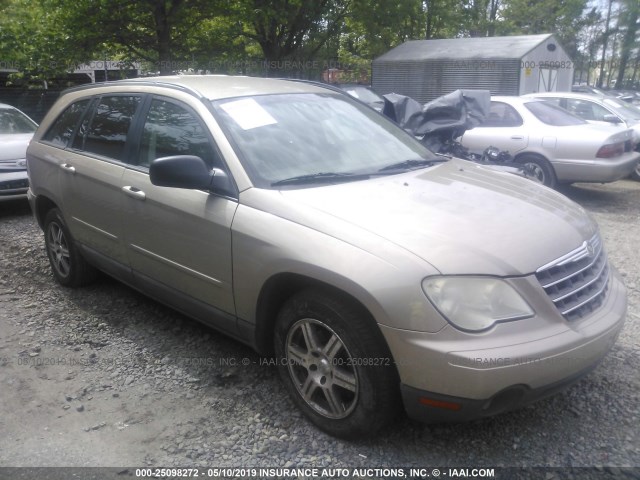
<point>516,46</point>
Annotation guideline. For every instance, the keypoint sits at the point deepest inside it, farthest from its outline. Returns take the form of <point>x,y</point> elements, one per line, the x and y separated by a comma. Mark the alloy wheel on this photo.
<point>322,368</point>
<point>58,249</point>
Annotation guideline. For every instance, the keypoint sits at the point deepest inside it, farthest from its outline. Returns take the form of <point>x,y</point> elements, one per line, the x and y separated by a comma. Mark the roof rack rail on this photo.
<point>147,83</point>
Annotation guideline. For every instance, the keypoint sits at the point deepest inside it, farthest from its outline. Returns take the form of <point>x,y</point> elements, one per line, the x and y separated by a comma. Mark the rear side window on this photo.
<point>59,134</point>
<point>552,115</point>
<point>587,110</point>
<point>502,115</point>
<point>171,129</point>
<point>552,100</point>
<point>106,132</point>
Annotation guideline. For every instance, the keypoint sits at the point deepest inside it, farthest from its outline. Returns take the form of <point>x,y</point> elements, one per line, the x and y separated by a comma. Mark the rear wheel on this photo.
<point>69,267</point>
<point>334,364</point>
<point>636,173</point>
<point>539,169</point>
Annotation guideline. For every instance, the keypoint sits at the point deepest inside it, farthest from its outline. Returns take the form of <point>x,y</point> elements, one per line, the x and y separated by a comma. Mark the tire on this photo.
<point>335,364</point>
<point>636,173</point>
<point>541,170</point>
<point>69,268</point>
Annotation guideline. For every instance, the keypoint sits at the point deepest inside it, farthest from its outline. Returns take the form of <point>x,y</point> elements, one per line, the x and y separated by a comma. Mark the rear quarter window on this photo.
<point>59,134</point>
<point>502,115</point>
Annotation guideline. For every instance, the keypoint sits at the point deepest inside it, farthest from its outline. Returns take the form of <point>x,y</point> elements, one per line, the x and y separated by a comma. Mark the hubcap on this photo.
<point>58,249</point>
<point>322,368</point>
<point>536,171</point>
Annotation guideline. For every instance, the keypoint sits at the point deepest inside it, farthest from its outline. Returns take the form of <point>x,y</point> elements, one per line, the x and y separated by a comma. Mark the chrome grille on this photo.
<point>577,282</point>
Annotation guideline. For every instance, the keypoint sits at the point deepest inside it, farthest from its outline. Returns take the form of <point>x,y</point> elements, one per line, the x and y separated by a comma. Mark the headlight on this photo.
<point>475,303</point>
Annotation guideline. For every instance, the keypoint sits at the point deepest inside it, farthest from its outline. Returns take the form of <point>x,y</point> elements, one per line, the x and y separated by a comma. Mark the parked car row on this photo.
<point>629,96</point>
<point>558,146</point>
<point>559,137</point>
<point>602,109</point>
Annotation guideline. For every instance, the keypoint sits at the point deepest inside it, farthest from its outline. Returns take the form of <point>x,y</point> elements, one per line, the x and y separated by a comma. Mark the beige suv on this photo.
<point>300,222</point>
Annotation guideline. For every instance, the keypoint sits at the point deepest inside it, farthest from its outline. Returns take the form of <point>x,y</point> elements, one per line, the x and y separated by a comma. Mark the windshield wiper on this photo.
<point>412,164</point>
<point>320,177</point>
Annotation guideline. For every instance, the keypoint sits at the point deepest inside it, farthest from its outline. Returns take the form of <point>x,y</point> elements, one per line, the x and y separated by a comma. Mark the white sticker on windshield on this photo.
<point>248,114</point>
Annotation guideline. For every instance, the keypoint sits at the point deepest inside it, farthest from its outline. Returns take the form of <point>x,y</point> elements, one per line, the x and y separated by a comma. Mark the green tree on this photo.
<point>156,31</point>
<point>530,17</point>
<point>287,29</point>
<point>373,27</point>
<point>481,17</point>
<point>630,26</point>
<point>33,42</point>
<point>589,40</point>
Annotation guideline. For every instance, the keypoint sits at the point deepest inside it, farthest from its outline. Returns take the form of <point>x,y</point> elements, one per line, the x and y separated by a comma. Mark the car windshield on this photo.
<point>13,121</point>
<point>552,114</point>
<point>315,138</point>
<point>626,111</point>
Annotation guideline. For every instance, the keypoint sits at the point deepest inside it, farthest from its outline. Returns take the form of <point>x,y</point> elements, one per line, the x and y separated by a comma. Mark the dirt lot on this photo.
<point>103,376</point>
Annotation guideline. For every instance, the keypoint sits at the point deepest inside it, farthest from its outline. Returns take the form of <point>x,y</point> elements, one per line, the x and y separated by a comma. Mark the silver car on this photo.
<point>16,130</point>
<point>558,146</point>
<point>601,109</point>
<point>373,273</point>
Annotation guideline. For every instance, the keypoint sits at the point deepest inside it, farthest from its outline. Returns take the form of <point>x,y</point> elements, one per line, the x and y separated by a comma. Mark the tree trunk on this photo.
<point>628,40</point>
<point>161,17</point>
<point>604,46</point>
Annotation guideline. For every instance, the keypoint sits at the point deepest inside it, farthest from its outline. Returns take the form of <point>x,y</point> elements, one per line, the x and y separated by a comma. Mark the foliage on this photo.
<point>42,38</point>
<point>528,17</point>
<point>32,42</point>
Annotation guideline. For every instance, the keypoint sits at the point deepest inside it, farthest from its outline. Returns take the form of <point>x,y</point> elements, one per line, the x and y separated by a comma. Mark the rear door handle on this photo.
<point>68,168</point>
<point>134,192</point>
<point>517,137</point>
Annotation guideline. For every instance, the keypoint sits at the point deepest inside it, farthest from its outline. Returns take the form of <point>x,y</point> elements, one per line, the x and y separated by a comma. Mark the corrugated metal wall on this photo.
<point>430,79</point>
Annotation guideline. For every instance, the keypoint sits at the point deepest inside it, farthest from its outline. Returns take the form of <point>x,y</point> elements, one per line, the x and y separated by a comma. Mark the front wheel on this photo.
<point>539,170</point>
<point>335,364</point>
<point>67,264</point>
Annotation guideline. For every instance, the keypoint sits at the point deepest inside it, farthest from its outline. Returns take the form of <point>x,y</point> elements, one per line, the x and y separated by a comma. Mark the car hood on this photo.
<point>458,216</point>
<point>13,149</point>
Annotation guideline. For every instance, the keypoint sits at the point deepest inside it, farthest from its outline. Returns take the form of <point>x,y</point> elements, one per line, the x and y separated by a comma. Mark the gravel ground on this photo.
<point>103,376</point>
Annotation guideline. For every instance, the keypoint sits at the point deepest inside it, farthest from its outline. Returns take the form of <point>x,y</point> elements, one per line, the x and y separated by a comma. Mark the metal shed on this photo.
<point>515,65</point>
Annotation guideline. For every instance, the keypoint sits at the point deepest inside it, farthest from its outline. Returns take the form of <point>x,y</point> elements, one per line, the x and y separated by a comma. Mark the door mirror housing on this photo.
<point>612,119</point>
<point>180,171</point>
<point>191,172</point>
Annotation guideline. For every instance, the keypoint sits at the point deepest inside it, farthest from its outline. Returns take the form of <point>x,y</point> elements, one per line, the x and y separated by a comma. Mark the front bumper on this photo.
<point>430,407</point>
<point>13,185</point>
<point>451,376</point>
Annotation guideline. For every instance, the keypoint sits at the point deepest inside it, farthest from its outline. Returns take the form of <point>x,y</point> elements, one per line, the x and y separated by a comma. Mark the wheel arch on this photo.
<point>520,156</point>
<point>546,163</point>
<point>43,205</point>
<point>282,286</point>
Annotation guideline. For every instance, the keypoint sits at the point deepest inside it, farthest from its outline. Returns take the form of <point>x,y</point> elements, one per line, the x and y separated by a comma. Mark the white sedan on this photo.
<point>16,130</point>
<point>600,109</point>
<point>556,145</point>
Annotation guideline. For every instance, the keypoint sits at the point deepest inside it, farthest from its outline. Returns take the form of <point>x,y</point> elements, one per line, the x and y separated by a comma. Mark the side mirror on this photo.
<point>180,171</point>
<point>611,119</point>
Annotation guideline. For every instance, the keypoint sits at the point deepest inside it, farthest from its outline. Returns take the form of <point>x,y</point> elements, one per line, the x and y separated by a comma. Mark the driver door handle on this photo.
<point>68,168</point>
<point>134,192</point>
